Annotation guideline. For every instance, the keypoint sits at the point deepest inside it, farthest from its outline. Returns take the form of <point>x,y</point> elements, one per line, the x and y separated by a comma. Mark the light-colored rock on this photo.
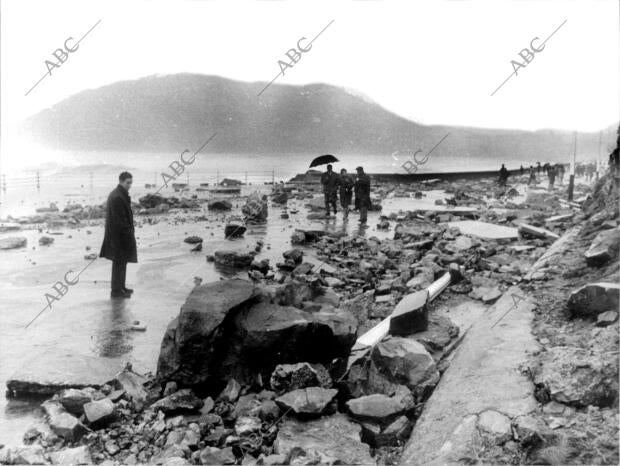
<point>496,425</point>
<point>328,440</point>
<point>311,400</point>
<point>99,413</point>
<point>62,423</point>
<point>604,248</point>
<point>77,455</point>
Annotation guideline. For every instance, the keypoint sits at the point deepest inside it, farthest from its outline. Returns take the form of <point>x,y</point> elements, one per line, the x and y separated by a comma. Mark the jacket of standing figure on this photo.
<point>346,189</point>
<point>362,191</point>
<point>330,182</point>
<point>119,242</point>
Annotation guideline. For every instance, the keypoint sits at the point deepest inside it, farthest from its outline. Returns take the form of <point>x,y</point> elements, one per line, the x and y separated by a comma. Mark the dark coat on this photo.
<point>362,191</point>
<point>346,189</point>
<point>330,182</point>
<point>119,242</point>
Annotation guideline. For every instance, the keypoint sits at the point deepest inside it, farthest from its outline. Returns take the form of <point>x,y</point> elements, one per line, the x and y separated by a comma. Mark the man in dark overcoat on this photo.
<point>119,242</point>
<point>362,194</point>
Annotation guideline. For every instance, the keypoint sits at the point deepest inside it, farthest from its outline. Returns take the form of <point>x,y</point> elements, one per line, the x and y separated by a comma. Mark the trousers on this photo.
<point>119,271</point>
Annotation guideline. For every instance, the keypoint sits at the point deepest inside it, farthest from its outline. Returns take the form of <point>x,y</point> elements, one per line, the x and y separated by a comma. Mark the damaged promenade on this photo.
<point>481,327</point>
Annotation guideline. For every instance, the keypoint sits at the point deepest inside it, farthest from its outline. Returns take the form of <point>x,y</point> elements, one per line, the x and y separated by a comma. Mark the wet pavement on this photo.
<point>86,321</point>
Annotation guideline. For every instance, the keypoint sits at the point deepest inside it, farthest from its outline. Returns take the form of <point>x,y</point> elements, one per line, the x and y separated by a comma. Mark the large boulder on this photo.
<point>188,349</point>
<point>328,440</point>
<point>267,334</point>
<point>226,330</point>
<point>393,362</point>
<point>579,377</point>
<point>604,248</point>
<point>594,298</point>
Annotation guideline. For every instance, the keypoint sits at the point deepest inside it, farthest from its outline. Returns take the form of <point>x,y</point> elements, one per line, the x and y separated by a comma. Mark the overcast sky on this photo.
<point>432,62</point>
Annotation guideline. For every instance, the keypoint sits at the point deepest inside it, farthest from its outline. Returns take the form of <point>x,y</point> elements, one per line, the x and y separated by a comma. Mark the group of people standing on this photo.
<point>346,185</point>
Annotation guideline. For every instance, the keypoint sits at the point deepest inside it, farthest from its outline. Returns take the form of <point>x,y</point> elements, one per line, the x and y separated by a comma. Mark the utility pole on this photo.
<point>571,180</point>
<point>598,154</point>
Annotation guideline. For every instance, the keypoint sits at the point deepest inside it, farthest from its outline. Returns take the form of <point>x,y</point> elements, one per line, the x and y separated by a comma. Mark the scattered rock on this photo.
<point>604,248</point>
<point>378,408</point>
<point>578,377</point>
<point>182,401</point>
<point>62,423</point>
<point>217,456</point>
<point>234,258</point>
<point>219,204</point>
<point>328,440</point>
<point>496,425</point>
<point>288,377</point>
<point>606,318</point>
<point>311,400</point>
<point>77,455</point>
<point>99,413</point>
<point>594,298</point>
<point>13,242</point>
<point>231,391</point>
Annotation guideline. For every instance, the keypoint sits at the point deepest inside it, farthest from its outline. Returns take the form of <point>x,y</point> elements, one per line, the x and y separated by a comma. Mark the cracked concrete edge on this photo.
<point>484,375</point>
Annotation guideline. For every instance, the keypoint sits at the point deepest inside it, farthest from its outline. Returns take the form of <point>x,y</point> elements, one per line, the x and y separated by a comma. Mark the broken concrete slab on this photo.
<point>52,371</point>
<point>410,314</point>
<point>99,413</point>
<point>536,232</point>
<point>549,260</point>
<point>485,230</point>
<point>62,423</point>
<point>483,374</point>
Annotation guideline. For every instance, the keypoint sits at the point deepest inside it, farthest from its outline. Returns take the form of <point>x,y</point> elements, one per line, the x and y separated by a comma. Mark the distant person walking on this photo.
<point>532,179</point>
<point>561,171</point>
<point>362,194</point>
<point>346,192</point>
<point>551,176</point>
<point>119,242</point>
<point>538,167</point>
<point>590,168</point>
<point>522,170</point>
<point>330,182</point>
<point>503,175</point>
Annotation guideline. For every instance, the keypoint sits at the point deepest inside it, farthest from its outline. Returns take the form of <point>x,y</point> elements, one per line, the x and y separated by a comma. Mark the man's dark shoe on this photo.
<point>120,294</point>
<point>128,290</point>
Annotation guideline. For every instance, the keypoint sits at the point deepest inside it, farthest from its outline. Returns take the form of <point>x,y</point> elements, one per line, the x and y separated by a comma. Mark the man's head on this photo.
<point>360,170</point>
<point>343,171</point>
<point>329,167</point>
<point>125,179</point>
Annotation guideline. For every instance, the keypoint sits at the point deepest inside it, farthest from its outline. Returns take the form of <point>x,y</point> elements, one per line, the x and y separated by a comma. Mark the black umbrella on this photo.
<point>322,160</point>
